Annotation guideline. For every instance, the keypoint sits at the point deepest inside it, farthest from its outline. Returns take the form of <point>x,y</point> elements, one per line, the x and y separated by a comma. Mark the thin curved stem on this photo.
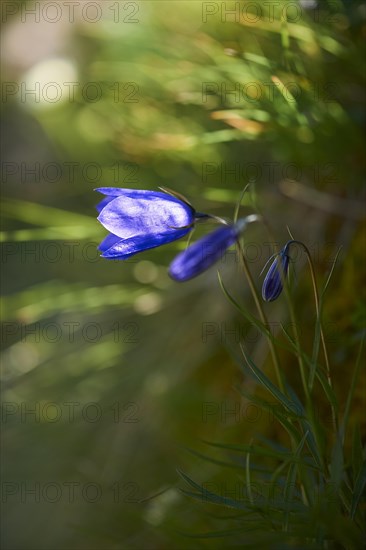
<point>293,321</point>
<point>297,341</point>
<point>262,316</point>
<point>318,313</point>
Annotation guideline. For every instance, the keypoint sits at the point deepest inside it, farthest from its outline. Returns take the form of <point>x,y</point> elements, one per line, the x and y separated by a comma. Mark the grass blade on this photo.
<point>265,381</point>
<point>351,392</point>
<point>358,489</point>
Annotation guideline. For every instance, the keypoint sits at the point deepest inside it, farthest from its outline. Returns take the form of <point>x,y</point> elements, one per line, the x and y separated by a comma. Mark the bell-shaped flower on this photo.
<point>142,219</point>
<point>274,280</point>
<point>206,251</point>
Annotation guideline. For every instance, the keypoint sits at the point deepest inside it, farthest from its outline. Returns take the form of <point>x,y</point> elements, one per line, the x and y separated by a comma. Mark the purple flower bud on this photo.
<point>273,282</point>
<point>206,251</point>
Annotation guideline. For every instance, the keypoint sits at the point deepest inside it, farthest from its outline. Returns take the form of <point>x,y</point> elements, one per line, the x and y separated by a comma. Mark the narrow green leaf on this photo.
<point>265,381</point>
<point>331,272</point>
<point>351,392</point>
<point>261,327</point>
<point>317,332</point>
<point>336,466</point>
<point>249,448</point>
<point>357,451</point>
<point>316,346</point>
<point>44,216</point>
<point>358,489</point>
<point>221,534</point>
<point>213,460</point>
<point>308,428</point>
<point>290,482</point>
<point>50,233</point>
<point>204,495</point>
<point>238,203</point>
<point>279,414</point>
<point>328,390</point>
<point>247,478</point>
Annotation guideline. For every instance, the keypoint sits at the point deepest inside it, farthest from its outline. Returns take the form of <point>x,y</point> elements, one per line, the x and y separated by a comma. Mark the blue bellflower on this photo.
<point>273,282</point>
<point>206,251</point>
<point>142,219</point>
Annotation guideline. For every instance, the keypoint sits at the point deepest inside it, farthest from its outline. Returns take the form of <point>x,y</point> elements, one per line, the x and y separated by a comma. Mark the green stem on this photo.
<point>318,313</point>
<point>325,351</point>
<point>293,320</point>
<point>297,341</point>
<point>263,317</point>
<point>309,404</point>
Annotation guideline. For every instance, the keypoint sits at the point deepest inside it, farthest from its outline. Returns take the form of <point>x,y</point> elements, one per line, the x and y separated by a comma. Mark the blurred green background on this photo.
<point>111,372</point>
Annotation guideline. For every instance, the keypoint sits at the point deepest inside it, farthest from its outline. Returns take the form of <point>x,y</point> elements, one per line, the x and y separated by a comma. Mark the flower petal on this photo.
<point>203,253</point>
<point>117,191</point>
<point>104,203</point>
<point>112,193</point>
<point>145,213</point>
<point>125,248</point>
<point>109,241</point>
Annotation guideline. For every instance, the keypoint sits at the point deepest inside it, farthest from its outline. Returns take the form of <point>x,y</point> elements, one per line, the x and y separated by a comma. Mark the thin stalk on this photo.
<point>262,316</point>
<point>305,384</point>
<point>297,341</point>
<point>293,321</point>
<point>318,313</point>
